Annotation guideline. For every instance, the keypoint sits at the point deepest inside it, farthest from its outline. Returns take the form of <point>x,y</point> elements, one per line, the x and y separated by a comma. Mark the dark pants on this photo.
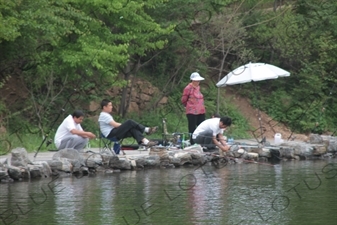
<point>193,122</point>
<point>127,129</point>
<point>205,139</point>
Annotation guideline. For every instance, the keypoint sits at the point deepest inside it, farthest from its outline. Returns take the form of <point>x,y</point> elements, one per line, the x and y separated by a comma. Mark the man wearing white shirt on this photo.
<point>70,133</point>
<point>210,132</point>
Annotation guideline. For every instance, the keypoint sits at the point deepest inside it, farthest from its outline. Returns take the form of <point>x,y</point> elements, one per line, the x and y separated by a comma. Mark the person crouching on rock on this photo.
<point>210,133</point>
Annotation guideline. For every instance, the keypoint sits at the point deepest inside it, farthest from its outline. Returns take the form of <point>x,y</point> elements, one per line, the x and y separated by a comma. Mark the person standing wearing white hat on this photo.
<point>193,100</point>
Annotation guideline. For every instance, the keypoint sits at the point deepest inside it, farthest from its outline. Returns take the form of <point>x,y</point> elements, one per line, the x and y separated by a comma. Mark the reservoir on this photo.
<point>291,192</point>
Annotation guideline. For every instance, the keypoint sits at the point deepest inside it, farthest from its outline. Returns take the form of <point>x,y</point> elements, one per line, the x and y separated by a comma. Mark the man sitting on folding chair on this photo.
<point>112,129</point>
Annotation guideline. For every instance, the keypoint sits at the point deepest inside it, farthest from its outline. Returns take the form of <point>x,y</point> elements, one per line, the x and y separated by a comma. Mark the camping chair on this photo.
<point>105,145</point>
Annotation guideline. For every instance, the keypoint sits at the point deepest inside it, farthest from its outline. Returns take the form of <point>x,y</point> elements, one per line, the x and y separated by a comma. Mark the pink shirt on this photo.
<point>193,100</point>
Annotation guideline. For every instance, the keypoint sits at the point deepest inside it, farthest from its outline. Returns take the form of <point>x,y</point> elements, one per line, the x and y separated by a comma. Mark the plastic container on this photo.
<point>241,151</point>
<point>253,154</point>
<point>278,139</point>
<point>178,141</point>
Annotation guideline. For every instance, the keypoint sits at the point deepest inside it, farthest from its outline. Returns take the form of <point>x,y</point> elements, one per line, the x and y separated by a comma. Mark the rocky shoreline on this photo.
<point>17,166</point>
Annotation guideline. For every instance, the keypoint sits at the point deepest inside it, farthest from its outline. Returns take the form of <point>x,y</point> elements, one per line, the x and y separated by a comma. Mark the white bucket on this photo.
<point>277,139</point>
<point>241,151</point>
<point>253,154</point>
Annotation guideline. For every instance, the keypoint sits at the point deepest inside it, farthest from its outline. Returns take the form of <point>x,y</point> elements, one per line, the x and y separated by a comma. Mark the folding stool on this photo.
<point>105,145</point>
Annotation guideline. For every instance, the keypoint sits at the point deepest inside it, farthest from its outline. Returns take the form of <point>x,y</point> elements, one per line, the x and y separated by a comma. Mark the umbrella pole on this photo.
<point>258,113</point>
<point>218,101</point>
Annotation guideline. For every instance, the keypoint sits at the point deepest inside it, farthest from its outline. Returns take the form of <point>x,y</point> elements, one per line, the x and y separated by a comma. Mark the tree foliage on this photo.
<point>59,46</point>
<point>301,41</point>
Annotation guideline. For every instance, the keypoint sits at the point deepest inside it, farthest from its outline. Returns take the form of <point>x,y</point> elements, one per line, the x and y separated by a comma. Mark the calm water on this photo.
<point>299,192</point>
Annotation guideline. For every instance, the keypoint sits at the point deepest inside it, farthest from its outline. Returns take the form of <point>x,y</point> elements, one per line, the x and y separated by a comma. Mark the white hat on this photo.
<point>196,76</point>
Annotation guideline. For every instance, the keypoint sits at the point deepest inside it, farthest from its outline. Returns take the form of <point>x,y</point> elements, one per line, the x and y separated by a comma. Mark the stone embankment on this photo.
<point>18,166</point>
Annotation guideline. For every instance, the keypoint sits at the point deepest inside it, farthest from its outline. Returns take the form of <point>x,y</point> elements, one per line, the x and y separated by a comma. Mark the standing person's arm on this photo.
<point>185,96</point>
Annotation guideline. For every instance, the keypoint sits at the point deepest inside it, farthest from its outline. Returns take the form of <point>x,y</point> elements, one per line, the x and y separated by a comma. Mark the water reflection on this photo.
<point>299,192</point>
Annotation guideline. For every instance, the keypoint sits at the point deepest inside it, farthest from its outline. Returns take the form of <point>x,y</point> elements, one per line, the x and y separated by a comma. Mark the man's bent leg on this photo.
<point>73,141</point>
<point>126,130</point>
<point>134,124</point>
<point>205,140</point>
<point>81,142</point>
<point>136,134</point>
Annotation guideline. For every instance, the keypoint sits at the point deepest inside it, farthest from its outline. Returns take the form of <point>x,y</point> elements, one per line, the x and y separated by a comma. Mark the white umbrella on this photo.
<point>252,72</point>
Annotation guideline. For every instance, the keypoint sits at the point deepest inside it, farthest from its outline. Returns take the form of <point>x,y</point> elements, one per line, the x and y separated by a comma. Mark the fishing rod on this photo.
<point>52,125</point>
<point>47,134</point>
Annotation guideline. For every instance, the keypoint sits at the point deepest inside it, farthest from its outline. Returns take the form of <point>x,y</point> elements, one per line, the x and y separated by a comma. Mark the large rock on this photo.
<point>264,152</point>
<point>60,164</point>
<point>20,157</point>
<point>257,150</point>
<point>43,167</point>
<point>152,161</point>
<point>194,149</point>
<point>163,155</point>
<point>198,159</point>
<point>93,160</point>
<point>184,157</point>
<point>3,162</point>
<point>67,165</point>
<point>303,149</point>
<point>175,161</point>
<point>287,153</point>
<point>55,164</point>
<point>251,156</point>
<point>332,144</point>
<point>68,153</point>
<point>315,139</point>
<point>319,150</point>
<point>140,163</point>
<point>70,156</point>
<point>161,152</point>
<point>15,172</point>
<point>3,174</point>
<point>6,179</point>
<point>34,172</point>
<point>120,163</point>
<point>237,152</point>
